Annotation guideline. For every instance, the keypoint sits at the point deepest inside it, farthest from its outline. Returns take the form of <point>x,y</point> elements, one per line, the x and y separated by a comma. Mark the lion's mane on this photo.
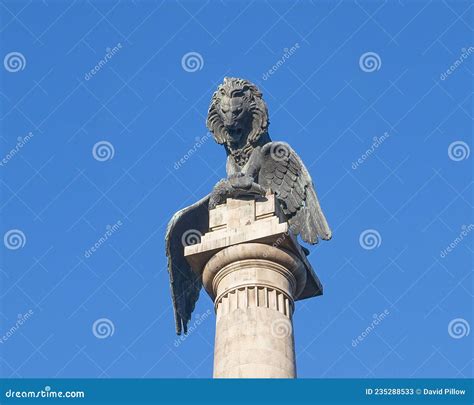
<point>256,106</point>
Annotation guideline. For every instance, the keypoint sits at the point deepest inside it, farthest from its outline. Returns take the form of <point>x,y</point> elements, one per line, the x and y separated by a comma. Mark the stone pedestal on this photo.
<point>254,270</point>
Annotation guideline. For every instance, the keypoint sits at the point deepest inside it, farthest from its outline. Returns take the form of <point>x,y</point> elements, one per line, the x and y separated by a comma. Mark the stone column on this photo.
<point>254,270</point>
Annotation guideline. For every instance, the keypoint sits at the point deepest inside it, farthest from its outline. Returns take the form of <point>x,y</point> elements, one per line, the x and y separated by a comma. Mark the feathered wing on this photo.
<point>185,226</point>
<point>285,174</point>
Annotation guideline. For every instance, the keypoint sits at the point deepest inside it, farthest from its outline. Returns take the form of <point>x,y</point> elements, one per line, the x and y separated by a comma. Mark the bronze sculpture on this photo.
<point>238,120</point>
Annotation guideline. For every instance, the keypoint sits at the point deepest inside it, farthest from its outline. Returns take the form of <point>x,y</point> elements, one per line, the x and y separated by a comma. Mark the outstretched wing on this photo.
<point>284,173</point>
<point>185,228</point>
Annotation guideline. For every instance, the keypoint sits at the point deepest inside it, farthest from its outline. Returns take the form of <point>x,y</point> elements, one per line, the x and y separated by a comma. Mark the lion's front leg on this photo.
<point>245,185</point>
<point>219,193</point>
<point>235,186</point>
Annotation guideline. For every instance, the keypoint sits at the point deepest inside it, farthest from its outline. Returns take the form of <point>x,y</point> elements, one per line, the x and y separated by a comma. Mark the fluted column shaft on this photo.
<point>254,286</point>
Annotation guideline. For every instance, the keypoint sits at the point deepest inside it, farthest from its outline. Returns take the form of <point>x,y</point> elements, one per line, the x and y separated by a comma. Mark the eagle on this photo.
<point>238,120</point>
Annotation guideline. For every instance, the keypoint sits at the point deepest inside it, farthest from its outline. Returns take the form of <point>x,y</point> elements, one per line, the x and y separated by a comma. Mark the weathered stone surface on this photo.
<point>246,220</point>
<point>254,270</point>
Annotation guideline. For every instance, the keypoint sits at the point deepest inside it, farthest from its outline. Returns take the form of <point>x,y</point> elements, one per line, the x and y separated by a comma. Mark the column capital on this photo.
<point>259,223</point>
<point>252,261</point>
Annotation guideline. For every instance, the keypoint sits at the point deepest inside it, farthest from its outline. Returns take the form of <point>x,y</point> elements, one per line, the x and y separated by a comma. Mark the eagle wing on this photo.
<point>185,228</point>
<point>284,173</point>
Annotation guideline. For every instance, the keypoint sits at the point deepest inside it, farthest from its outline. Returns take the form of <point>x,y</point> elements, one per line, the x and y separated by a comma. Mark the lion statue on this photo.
<point>238,120</point>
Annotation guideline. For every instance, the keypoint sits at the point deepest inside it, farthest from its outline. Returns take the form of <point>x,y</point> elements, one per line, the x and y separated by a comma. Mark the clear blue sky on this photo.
<point>322,100</point>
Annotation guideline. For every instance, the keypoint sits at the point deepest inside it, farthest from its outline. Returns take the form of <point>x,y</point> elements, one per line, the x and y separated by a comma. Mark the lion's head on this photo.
<point>237,115</point>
